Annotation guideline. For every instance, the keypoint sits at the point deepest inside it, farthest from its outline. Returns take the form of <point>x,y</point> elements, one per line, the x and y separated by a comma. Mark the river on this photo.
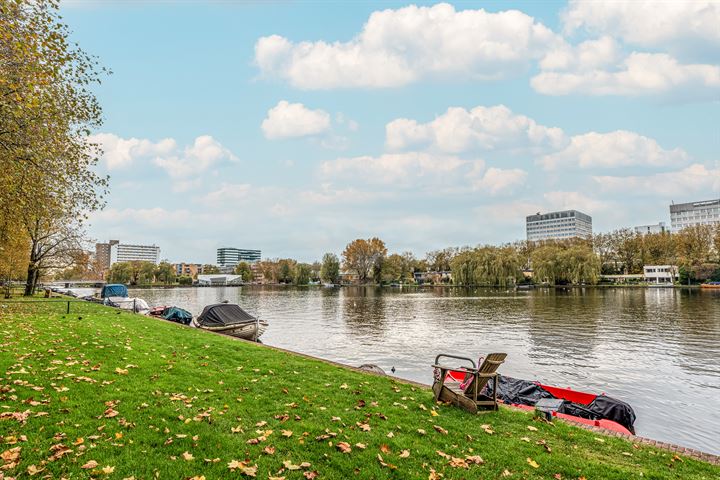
<point>657,348</point>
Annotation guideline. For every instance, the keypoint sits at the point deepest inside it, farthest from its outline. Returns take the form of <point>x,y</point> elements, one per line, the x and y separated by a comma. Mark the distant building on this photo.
<point>188,269</point>
<point>654,228</point>
<point>558,225</point>
<point>114,252</point>
<point>219,279</point>
<point>685,215</point>
<point>229,256</point>
<point>659,274</point>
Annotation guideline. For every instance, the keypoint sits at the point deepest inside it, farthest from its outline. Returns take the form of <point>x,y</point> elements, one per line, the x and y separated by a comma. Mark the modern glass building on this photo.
<point>558,225</point>
<point>694,213</point>
<point>230,256</point>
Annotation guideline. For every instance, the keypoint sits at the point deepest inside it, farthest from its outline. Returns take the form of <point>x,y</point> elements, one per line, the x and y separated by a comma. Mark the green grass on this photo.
<point>136,393</point>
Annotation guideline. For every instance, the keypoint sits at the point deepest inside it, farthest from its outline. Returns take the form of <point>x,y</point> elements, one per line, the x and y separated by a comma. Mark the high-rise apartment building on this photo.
<point>684,215</point>
<point>114,252</point>
<point>558,225</point>
<point>230,256</point>
<point>659,227</point>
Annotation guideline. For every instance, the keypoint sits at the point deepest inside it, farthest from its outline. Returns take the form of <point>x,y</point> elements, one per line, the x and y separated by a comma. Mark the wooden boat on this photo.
<point>230,319</point>
<point>565,403</point>
<point>710,285</point>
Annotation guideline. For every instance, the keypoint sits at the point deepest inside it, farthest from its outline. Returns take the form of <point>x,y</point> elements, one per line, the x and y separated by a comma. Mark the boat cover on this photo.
<point>524,392</point>
<point>114,290</point>
<point>221,314</point>
<point>177,314</point>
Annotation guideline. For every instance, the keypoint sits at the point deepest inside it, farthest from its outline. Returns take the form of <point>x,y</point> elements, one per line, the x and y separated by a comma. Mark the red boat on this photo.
<point>581,407</point>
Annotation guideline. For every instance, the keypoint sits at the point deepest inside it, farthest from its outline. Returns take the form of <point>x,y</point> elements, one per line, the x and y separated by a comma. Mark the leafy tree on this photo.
<point>47,110</point>
<point>120,272</point>
<point>365,257</point>
<point>439,260</point>
<point>185,280</point>
<point>286,270</point>
<point>301,274</point>
<point>165,273</point>
<point>54,244</point>
<point>244,270</point>
<point>330,269</point>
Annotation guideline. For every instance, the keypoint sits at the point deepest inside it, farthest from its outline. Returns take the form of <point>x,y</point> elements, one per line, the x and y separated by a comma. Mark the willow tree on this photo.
<point>47,111</point>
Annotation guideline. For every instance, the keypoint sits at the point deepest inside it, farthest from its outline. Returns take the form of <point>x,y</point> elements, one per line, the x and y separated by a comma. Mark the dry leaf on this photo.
<point>531,428</point>
<point>532,463</point>
<point>344,447</point>
<point>187,456</point>
<point>107,470</point>
<point>404,454</point>
<point>287,433</point>
<point>361,446</point>
<point>439,429</point>
<point>90,464</point>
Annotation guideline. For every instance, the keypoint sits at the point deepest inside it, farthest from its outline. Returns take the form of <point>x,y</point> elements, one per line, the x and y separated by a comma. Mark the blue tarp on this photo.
<point>114,290</point>
<point>177,314</point>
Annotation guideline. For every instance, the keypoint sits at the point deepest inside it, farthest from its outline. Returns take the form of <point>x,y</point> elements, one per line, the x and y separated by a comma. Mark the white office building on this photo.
<point>230,256</point>
<point>122,252</point>
<point>654,228</point>
<point>685,215</point>
<point>660,274</point>
<point>558,225</point>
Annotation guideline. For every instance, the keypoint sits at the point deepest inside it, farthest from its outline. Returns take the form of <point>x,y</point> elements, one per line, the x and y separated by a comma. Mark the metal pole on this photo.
<point>68,307</point>
<point>134,305</point>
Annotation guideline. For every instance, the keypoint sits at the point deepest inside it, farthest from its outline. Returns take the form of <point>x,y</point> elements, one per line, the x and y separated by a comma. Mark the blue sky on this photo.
<point>295,127</point>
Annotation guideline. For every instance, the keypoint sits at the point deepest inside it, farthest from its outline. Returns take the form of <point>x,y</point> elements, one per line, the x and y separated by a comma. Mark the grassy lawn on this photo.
<point>99,393</point>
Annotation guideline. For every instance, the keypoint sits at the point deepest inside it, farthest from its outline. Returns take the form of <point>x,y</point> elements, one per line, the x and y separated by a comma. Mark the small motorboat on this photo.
<point>230,319</point>
<point>133,304</point>
<point>710,285</point>
<point>565,403</point>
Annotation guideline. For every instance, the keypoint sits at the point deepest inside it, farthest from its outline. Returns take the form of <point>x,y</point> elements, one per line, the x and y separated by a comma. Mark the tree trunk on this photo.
<point>31,279</point>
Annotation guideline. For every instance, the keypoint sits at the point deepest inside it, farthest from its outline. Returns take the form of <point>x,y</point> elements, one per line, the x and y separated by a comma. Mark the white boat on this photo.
<point>230,319</point>
<point>133,304</point>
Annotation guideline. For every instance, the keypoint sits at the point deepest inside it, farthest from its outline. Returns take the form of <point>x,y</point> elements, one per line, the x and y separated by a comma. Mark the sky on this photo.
<point>295,127</point>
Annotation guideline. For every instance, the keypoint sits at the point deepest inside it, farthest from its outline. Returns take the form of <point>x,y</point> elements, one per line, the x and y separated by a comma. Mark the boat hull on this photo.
<point>246,331</point>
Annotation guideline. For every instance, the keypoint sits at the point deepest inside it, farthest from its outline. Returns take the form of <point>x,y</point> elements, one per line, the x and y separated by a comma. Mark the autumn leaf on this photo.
<point>107,470</point>
<point>434,413</point>
<point>361,446</point>
<point>287,433</point>
<point>187,456</point>
<point>531,428</point>
<point>487,429</point>
<point>90,464</point>
<point>439,429</point>
<point>269,450</point>
<point>310,475</point>
<point>384,448</point>
<point>476,459</point>
<point>121,371</point>
<point>404,454</point>
<point>34,470</point>
<point>344,447</point>
<point>385,464</point>
<point>532,463</point>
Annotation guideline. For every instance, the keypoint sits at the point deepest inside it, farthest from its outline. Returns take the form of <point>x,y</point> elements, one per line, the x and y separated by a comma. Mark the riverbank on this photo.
<point>114,394</point>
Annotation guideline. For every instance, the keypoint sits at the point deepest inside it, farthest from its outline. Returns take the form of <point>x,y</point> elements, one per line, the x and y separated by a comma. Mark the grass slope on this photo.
<point>100,393</point>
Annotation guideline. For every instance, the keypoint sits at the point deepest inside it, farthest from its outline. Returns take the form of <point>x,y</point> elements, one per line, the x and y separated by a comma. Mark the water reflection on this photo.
<point>658,349</point>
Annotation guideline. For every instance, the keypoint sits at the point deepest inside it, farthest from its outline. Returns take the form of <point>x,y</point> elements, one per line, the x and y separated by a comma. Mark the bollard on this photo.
<point>68,307</point>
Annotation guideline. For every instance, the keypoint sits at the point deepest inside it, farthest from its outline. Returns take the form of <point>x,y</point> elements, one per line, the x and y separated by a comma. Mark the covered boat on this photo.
<point>133,304</point>
<point>177,315</point>
<point>114,290</point>
<point>586,408</point>
<point>230,319</point>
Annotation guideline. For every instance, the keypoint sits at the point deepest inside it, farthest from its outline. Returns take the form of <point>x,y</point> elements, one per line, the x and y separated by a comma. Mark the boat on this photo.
<point>565,403</point>
<point>133,304</point>
<point>114,290</point>
<point>230,319</point>
<point>172,314</point>
<point>710,285</point>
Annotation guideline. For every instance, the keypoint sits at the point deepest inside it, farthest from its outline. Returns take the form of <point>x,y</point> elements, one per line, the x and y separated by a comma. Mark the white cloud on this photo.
<point>497,180</point>
<point>121,152</point>
<point>486,128</point>
<point>398,47</point>
<point>204,152</point>
<point>563,200</point>
<point>193,159</point>
<point>637,74</point>
<point>614,149</point>
<point>695,178</point>
<point>400,169</point>
<point>648,23</point>
<point>588,55</point>
<point>288,120</point>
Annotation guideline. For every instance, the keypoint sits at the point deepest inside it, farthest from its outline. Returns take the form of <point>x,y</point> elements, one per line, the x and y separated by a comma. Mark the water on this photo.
<point>657,349</point>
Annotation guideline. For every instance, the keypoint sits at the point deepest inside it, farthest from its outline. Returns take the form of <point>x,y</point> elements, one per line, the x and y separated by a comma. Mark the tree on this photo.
<point>286,270</point>
<point>243,269</point>
<point>185,280</point>
<point>47,110</point>
<point>53,245</point>
<point>364,257</point>
<point>439,260</point>
<point>330,269</point>
<point>120,272</point>
<point>301,274</point>
<point>165,273</point>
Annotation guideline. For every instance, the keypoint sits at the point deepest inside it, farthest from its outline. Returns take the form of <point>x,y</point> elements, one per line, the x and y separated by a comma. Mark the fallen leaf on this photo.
<point>531,428</point>
<point>107,470</point>
<point>344,447</point>
<point>90,464</point>
<point>310,475</point>
<point>287,433</point>
<point>361,446</point>
<point>532,463</point>
<point>187,456</point>
<point>439,429</point>
<point>404,454</point>
<point>270,450</point>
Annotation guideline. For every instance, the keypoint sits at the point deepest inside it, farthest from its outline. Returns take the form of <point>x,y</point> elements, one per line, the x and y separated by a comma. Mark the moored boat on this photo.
<point>565,403</point>
<point>710,285</point>
<point>230,319</point>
